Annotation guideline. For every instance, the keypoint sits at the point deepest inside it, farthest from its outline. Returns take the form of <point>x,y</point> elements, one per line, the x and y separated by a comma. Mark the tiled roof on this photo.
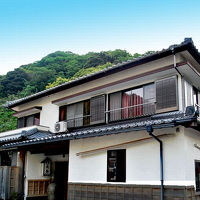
<point>166,120</point>
<point>25,135</point>
<point>63,86</point>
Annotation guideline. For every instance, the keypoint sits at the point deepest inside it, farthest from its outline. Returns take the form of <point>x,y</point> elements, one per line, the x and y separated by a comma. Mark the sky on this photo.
<point>31,29</point>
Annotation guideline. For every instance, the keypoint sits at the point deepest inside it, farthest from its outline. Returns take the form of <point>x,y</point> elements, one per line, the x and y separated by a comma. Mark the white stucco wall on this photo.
<point>49,115</point>
<point>142,159</point>
<point>191,153</point>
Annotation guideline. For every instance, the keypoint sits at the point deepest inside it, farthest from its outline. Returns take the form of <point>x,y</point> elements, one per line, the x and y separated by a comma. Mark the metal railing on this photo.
<point>78,121</point>
<point>117,114</point>
<point>133,111</point>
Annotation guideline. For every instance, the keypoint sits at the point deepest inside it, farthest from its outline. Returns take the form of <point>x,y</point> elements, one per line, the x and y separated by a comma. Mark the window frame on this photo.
<point>121,176</point>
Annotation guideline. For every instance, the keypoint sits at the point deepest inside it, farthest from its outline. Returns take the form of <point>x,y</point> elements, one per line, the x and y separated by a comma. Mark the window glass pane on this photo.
<point>86,112</point>
<point>116,169</point>
<point>30,120</point>
<point>149,99</point>
<point>70,116</point>
<point>78,114</point>
<point>62,113</point>
<point>20,123</point>
<point>126,103</point>
<point>115,106</point>
<point>132,101</point>
<point>37,119</point>
<point>136,102</point>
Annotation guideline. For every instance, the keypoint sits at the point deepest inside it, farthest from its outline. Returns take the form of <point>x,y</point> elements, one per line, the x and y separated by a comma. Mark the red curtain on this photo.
<point>126,102</point>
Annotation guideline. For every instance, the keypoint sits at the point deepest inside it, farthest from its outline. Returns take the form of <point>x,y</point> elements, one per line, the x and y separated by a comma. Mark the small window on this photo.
<point>116,165</point>
<point>30,120</point>
<point>197,175</point>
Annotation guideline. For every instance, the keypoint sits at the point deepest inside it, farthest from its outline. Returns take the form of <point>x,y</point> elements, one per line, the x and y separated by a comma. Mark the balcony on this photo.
<point>17,132</point>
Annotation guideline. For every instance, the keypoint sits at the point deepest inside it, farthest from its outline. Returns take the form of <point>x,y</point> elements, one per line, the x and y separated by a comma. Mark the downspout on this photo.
<point>150,131</point>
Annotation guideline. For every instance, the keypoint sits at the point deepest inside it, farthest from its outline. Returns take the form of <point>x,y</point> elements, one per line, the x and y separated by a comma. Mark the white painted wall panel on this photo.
<point>191,153</point>
<point>49,116</point>
<point>142,159</point>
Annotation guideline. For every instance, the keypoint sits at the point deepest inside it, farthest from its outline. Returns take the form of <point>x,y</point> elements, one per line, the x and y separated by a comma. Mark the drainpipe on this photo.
<point>150,131</point>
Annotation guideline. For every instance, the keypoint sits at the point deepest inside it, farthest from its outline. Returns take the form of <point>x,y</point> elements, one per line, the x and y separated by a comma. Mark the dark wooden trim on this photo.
<point>117,82</point>
<point>39,108</point>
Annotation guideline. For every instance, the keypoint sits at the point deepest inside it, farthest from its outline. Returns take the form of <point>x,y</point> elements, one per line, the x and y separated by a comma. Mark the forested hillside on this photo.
<point>52,70</point>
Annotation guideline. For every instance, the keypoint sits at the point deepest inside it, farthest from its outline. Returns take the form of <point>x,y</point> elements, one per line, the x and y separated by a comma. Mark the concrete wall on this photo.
<point>142,159</point>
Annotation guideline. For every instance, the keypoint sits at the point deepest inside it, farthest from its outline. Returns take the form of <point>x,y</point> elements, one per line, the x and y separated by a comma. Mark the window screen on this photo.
<point>97,109</point>
<point>166,94</point>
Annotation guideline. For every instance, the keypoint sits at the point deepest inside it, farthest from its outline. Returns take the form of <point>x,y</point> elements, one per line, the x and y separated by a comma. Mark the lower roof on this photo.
<point>157,122</point>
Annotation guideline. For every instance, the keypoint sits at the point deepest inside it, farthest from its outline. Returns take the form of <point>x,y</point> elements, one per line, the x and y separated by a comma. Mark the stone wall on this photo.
<point>83,191</point>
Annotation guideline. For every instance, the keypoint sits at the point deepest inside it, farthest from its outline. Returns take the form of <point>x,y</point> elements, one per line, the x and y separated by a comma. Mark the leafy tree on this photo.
<point>58,81</point>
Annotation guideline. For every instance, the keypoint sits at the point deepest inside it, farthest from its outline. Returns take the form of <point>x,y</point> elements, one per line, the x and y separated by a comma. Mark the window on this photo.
<point>132,103</point>
<point>116,165</point>
<point>90,111</point>
<point>29,120</point>
<point>78,114</point>
<point>38,187</point>
<point>5,159</point>
<point>197,175</point>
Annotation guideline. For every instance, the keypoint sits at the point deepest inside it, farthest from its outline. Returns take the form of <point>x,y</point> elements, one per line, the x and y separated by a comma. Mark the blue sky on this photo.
<point>30,29</point>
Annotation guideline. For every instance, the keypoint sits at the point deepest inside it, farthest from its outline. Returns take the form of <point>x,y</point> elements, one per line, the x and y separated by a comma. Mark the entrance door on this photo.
<point>61,178</point>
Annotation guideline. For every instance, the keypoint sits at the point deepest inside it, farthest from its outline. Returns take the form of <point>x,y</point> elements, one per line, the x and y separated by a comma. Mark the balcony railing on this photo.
<point>133,111</point>
<point>78,121</point>
<point>117,114</point>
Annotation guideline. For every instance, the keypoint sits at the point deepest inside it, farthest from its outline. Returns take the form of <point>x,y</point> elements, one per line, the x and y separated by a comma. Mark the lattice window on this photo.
<point>38,187</point>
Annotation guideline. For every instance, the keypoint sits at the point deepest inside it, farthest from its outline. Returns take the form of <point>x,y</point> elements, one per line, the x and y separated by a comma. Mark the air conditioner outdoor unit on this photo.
<point>60,127</point>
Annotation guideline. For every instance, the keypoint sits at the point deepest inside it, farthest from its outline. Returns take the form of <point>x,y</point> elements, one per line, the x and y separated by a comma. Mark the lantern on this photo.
<point>47,166</point>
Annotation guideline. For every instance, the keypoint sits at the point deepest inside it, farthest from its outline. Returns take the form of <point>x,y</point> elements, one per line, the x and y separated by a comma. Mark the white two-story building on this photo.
<point>128,132</point>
